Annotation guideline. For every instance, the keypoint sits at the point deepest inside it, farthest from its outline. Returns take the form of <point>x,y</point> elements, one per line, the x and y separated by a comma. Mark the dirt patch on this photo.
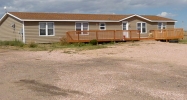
<point>46,89</point>
<point>148,70</point>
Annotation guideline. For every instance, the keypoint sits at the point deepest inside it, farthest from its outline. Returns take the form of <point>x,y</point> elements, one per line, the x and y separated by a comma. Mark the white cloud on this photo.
<point>85,6</point>
<point>166,14</point>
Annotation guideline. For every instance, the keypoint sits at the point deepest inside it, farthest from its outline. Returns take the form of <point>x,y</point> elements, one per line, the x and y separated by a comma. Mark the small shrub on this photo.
<point>33,45</point>
<point>112,42</point>
<point>78,44</point>
<point>63,41</point>
<point>94,42</point>
<point>81,44</point>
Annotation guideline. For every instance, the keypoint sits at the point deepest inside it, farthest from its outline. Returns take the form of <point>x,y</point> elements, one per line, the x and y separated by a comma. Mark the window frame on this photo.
<point>82,27</point>
<point>126,26</point>
<point>163,25</point>
<point>46,29</point>
<point>102,26</point>
<point>141,27</point>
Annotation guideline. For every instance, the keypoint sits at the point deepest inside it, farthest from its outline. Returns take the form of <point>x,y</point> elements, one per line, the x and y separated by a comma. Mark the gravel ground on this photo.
<point>148,70</point>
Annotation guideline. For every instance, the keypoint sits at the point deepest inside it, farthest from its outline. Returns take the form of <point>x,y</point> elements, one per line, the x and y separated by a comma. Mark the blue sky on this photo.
<point>175,9</point>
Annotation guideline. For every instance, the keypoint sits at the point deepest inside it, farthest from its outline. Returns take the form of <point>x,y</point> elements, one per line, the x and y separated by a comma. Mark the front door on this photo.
<point>125,27</point>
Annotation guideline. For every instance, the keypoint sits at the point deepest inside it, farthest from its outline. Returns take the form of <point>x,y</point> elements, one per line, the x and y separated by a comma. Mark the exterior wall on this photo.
<point>7,32</point>
<point>114,26</point>
<point>150,25</point>
<point>93,26</point>
<point>32,30</point>
<point>170,25</point>
<point>109,26</point>
<point>60,29</point>
<point>133,24</point>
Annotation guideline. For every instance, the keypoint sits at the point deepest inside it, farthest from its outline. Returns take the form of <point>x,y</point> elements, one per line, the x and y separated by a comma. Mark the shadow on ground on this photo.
<point>47,88</point>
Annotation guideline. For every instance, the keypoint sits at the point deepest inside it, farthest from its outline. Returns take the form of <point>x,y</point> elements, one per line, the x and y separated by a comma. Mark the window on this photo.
<point>141,26</point>
<point>125,25</point>
<point>46,29</point>
<point>102,26</point>
<point>82,26</point>
<point>161,25</point>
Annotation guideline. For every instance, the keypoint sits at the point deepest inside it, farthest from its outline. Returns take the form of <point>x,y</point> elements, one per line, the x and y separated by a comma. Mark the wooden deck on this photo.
<point>168,34</point>
<point>122,35</point>
<point>101,36</point>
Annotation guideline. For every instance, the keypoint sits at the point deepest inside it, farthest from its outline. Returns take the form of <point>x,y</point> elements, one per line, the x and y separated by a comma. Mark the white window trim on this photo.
<point>47,29</point>
<point>126,24</point>
<point>162,25</point>
<point>82,27</point>
<point>102,26</point>
<point>141,27</point>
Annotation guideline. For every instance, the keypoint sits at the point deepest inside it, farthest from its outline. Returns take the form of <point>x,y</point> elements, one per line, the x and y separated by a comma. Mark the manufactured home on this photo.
<point>50,27</point>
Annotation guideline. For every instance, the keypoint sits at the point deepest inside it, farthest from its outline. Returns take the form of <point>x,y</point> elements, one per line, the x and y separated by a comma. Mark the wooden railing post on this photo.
<point>97,37</point>
<point>182,33</point>
<point>114,35</point>
<point>78,36</point>
<point>67,38</point>
<point>139,34</point>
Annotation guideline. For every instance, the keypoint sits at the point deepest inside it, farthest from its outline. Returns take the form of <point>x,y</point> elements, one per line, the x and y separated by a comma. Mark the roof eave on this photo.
<point>3,17</point>
<point>148,19</point>
<point>136,16</point>
<point>163,21</point>
<point>15,17</point>
<point>72,20</point>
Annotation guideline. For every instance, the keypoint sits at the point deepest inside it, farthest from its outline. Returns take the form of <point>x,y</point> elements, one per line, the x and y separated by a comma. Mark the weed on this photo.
<point>33,45</point>
<point>63,41</point>
<point>12,43</point>
<point>134,44</point>
<point>183,41</point>
<point>94,42</point>
<point>68,52</point>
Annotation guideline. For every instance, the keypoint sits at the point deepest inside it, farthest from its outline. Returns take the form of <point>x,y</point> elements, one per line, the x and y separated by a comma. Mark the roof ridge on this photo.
<point>73,13</point>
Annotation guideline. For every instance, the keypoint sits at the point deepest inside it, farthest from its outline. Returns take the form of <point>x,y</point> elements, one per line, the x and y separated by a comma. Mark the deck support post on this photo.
<point>97,37</point>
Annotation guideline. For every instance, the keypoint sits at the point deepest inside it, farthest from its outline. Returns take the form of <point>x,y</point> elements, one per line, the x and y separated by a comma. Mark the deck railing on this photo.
<point>168,34</point>
<point>102,35</point>
<point>122,35</point>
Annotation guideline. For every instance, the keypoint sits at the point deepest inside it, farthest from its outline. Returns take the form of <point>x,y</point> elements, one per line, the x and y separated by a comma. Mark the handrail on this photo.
<point>102,35</point>
<point>120,35</point>
<point>167,34</point>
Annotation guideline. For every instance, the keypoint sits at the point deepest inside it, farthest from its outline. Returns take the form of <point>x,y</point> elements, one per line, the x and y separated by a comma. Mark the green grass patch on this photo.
<point>18,45</point>
<point>183,41</point>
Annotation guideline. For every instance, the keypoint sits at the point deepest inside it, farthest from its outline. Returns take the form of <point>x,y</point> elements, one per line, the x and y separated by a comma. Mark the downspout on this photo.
<point>23,32</point>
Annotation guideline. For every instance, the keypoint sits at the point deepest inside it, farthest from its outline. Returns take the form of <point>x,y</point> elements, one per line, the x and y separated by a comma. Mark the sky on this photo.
<point>174,9</point>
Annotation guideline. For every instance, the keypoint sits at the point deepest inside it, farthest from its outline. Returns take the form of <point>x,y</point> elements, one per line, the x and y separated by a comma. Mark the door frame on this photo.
<point>127,28</point>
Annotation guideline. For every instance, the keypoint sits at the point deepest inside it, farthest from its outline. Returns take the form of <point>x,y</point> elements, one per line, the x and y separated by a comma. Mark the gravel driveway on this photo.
<point>148,70</point>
